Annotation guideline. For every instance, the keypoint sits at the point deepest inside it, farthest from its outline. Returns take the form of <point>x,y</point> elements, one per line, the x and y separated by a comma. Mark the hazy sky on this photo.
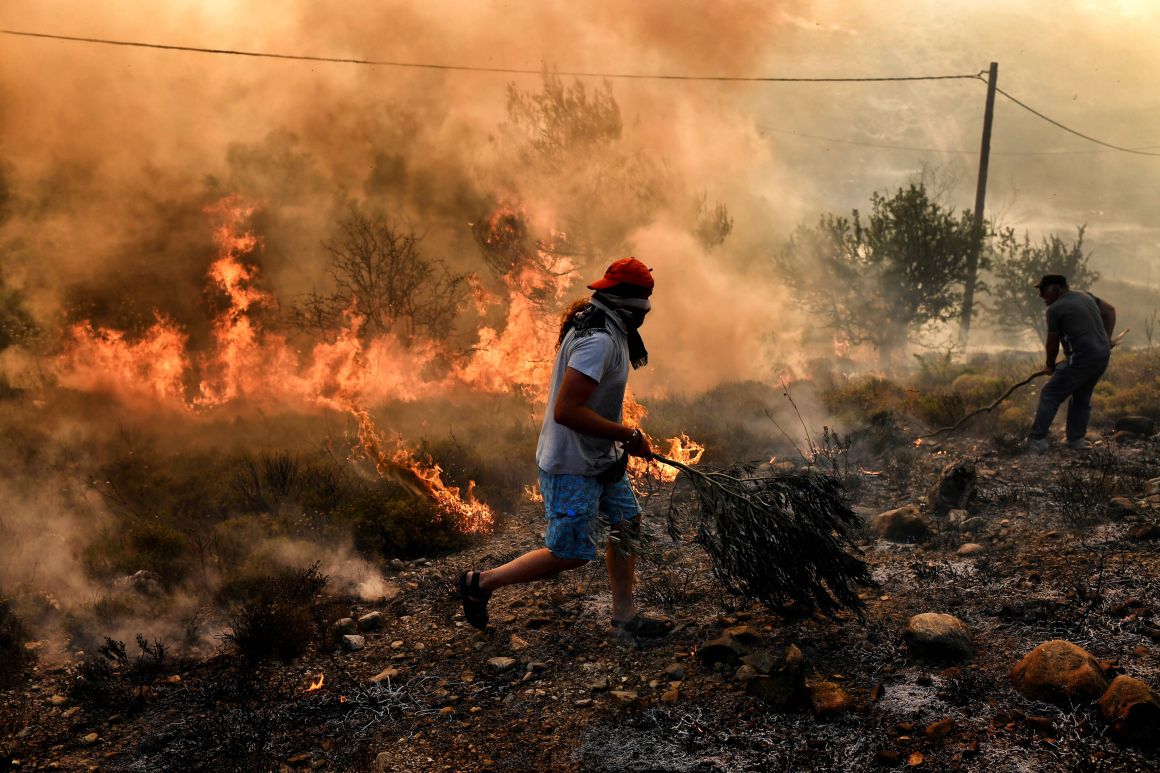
<point>88,121</point>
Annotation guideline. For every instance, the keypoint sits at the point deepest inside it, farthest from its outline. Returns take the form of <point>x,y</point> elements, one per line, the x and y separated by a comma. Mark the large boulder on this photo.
<point>1137,425</point>
<point>1059,671</point>
<point>1132,709</point>
<point>903,524</point>
<point>938,636</point>
<point>954,488</point>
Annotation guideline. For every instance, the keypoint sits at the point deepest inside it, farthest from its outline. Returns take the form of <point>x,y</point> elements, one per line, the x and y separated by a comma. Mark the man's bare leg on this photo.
<point>621,578</point>
<point>533,565</point>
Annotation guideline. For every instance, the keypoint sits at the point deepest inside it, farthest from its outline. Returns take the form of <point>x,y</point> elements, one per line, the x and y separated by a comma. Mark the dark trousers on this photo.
<point>1076,380</point>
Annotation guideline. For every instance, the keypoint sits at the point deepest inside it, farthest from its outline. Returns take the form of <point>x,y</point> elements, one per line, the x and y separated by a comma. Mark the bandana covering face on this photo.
<point>631,311</point>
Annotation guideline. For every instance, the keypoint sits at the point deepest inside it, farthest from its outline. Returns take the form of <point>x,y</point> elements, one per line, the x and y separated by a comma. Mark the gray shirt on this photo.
<point>1075,317</point>
<point>601,355</point>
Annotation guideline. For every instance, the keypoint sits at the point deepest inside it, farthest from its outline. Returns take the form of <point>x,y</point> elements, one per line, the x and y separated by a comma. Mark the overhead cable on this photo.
<point>955,151</point>
<point>475,68</point>
<point>1053,122</point>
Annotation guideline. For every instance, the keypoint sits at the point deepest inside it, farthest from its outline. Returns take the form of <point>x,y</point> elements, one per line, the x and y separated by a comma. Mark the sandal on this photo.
<point>639,625</point>
<point>474,600</point>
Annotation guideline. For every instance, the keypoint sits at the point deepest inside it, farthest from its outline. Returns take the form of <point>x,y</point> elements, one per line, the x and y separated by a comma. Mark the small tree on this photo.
<point>713,226</point>
<point>882,279</point>
<point>1018,267</point>
<point>571,153</point>
<point>383,278</point>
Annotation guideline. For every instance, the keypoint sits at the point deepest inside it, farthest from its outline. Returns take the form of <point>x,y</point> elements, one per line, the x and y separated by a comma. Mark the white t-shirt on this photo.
<point>602,355</point>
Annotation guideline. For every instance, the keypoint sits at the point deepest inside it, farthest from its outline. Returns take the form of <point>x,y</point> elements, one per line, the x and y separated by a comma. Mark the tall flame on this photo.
<point>349,373</point>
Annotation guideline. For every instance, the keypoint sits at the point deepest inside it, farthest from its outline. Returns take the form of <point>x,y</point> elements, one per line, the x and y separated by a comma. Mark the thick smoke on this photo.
<point>109,157</point>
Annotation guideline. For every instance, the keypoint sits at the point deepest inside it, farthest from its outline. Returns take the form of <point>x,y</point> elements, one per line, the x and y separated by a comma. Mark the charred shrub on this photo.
<point>276,615</point>
<point>264,483</point>
<point>14,658</point>
<point>672,587</point>
<point>111,678</point>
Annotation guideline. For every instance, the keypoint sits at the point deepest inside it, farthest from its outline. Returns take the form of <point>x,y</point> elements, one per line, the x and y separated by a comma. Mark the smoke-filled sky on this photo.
<point>104,149</point>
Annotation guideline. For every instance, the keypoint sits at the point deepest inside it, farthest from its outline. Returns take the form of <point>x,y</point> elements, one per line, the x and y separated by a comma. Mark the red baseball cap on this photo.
<point>624,271</point>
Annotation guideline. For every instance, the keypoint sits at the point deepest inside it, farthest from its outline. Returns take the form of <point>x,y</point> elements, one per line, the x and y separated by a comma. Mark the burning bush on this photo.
<point>276,615</point>
<point>14,658</point>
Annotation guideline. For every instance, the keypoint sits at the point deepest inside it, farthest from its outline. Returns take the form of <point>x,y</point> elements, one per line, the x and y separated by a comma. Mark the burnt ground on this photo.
<point>1056,564</point>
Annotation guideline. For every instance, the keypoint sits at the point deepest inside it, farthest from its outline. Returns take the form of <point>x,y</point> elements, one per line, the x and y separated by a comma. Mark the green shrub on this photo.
<point>390,521</point>
<point>140,544</point>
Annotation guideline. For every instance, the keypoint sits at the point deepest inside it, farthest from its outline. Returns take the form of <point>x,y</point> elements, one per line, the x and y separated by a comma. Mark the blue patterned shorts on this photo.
<point>574,504</point>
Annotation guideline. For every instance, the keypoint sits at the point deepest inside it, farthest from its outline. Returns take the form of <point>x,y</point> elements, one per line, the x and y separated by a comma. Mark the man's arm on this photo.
<point>1052,350</point>
<point>573,412</point>
<point>1108,315</point>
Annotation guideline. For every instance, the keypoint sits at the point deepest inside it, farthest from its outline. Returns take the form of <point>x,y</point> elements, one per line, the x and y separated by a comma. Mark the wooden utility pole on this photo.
<point>980,198</point>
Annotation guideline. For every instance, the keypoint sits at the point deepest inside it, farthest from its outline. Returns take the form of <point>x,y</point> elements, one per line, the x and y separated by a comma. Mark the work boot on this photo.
<point>1039,445</point>
<point>1079,444</point>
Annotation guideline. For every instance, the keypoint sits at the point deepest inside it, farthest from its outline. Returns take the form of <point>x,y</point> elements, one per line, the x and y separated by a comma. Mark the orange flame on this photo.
<point>349,373</point>
<point>680,449</point>
<point>317,683</point>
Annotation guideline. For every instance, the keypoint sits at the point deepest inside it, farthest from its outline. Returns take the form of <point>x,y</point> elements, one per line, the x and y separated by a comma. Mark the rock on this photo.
<point>1119,508</point>
<point>974,525</point>
<point>937,636</point>
<point>387,673</point>
<point>90,739</point>
<point>675,671</point>
<point>829,699</point>
<point>144,582</point>
<point>500,664</point>
<point>970,549</point>
<point>903,524</point>
<point>1132,709</point>
<point>1136,425</point>
<point>398,564</point>
<point>582,703</point>
<point>1145,531</point>
<point>57,700</point>
<point>957,518</point>
<point>1059,671</point>
<point>762,660</point>
<point>600,685</point>
<point>353,642</point>
<point>783,687</point>
<point>624,697</point>
<point>728,649</point>
<point>517,644</point>
<point>744,673</point>
<point>954,488</point>
<point>744,636</point>
<point>939,729</point>
<point>671,695</point>
<point>372,621</point>
<point>1152,487</point>
<point>343,626</point>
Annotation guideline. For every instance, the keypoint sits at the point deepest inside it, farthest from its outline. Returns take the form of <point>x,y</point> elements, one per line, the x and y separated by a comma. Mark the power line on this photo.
<point>473,68</point>
<point>612,75</point>
<point>956,151</point>
<point>1053,122</point>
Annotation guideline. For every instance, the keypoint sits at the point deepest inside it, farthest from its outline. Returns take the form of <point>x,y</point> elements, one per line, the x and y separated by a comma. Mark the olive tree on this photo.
<point>884,278</point>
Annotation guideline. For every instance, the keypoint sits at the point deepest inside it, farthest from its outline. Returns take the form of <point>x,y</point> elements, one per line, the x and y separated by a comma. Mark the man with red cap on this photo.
<point>583,451</point>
